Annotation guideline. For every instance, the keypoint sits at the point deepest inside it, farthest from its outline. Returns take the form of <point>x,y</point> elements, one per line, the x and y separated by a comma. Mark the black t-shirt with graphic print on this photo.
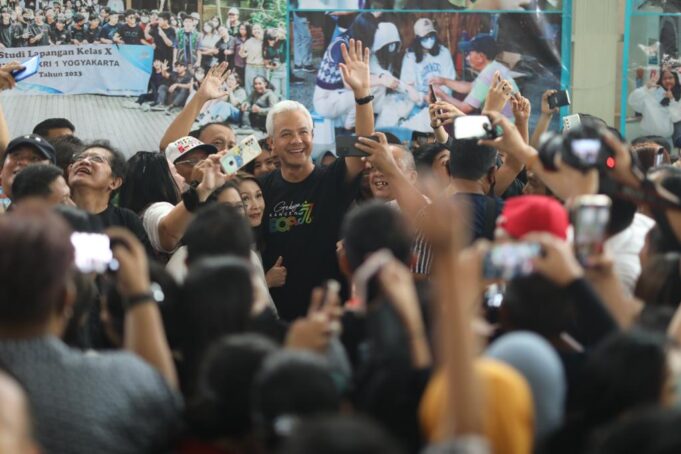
<point>302,224</point>
<point>131,35</point>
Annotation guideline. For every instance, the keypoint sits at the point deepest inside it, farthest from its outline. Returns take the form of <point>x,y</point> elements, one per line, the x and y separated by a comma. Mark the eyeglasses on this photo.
<point>188,162</point>
<point>92,158</point>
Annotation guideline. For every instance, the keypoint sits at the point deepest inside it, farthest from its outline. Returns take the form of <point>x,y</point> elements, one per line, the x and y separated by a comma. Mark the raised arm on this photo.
<point>355,71</point>
<point>544,118</point>
<point>144,333</point>
<point>211,88</point>
<point>7,82</point>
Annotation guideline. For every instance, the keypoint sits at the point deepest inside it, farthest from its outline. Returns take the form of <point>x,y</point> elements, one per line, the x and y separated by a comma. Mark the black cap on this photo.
<point>483,43</point>
<point>36,142</point>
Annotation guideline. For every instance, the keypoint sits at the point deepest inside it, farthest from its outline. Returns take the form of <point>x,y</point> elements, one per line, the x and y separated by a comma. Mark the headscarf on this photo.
<point>507,407</point>
<point>540,365</point>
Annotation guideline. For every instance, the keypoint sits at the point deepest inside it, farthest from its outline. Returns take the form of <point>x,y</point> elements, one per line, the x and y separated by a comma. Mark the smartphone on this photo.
<point>590,216</point>
<point>559,99</point>
<point>571,121</point>
<point>239,156</point>
<point>474,127</point>
<point>93,253</point>
<point>345,146</point>
<point>586,150</point>
<point>30,68</point>
<point>510,260</point>
<point>433,98</point>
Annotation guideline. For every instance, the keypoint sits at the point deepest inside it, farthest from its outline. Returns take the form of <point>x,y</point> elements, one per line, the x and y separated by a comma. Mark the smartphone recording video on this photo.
<point>590,217</point>
<point>587,150</point>
<point>471,127</point>
<point>559,99</point>
<point>345,146</point>
<point>507,261</point>
<point>93,253</point>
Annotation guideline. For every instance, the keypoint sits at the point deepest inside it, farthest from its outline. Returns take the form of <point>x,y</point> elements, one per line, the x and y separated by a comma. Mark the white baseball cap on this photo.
<point>185,145</point>
<point>423,27</point>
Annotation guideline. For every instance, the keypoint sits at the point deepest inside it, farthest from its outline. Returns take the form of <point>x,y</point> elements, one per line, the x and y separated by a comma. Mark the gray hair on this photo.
<point>406,159</point>
<point>282,107</point>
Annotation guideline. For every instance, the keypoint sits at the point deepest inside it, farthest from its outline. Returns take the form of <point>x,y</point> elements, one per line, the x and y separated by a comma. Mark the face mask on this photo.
<point>145,20</point>
<point>392,48</point>
<point>428,43</point>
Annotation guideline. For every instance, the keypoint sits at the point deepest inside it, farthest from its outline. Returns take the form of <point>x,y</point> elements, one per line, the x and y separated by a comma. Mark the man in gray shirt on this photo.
<point>114,402</point>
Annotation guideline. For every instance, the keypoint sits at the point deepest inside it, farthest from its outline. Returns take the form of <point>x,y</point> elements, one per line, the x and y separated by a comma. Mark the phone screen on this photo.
<point>30,68</point>
<point>587,150</point>
<point>472,127</point>
<point>506,261</point>
<point>590,224</point>
<point>92,252</point>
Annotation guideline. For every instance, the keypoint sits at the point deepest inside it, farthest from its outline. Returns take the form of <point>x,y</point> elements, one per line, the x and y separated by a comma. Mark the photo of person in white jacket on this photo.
<point>659,102</point>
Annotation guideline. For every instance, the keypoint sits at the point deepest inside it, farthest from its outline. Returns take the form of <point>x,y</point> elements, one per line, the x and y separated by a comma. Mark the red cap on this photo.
<point>534,213</point>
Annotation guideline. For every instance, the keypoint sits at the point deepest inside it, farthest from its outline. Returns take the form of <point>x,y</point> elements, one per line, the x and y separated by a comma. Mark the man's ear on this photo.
<point>116,183</point>
<point>270,143</point>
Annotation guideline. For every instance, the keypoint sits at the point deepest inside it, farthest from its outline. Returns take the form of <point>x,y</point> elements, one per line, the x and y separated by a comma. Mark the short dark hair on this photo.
<point>469,160</point>
<point>295,384</point>
<point>217,230</point>
<point>43,128</point>
<point>340,434</point>
<point>222,404</point>
<point>534,303</point>
<point>138,192</point>
<point>217,300</point>
<point>35,180</point>
<point>130,12</point>
<point>196,133</point>
<point>66,147</point>
<point>374,226</point>
<point>24,298</point>
<point>165,15</point>
<point>622,214</point>
<point>117,162</point>
<point>424,156</point>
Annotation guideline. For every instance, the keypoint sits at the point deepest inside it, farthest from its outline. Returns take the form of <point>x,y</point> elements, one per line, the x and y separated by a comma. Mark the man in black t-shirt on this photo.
<point>5,28</point>
<point>163,36</point>
<point>130,32</point>
<point>60,34</point>
<point>39,32</point>
<point>78,30</point>
<point>20,31</point>
<point>110,30</point>
<point>95,176</point>
<point>305,204</point>
<point>93,31</point>
<point>175,95</point>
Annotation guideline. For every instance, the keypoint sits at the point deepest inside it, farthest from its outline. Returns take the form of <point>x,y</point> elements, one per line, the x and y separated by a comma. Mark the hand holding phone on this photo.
<point>510,260</point>
<point>345,146</point>
<point>590,216</point>
<point>30,68</point>
<point>474,127</point>
<point>239,156</point>
<point>559,99</point>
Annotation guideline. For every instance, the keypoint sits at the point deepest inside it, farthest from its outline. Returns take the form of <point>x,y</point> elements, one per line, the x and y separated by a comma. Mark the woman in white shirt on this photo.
<point>659,102</point>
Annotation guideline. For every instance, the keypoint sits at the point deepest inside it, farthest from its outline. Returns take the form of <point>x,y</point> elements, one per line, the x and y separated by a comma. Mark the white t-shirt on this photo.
<point>418,74</point>
<point>151,220</point>
<point>625,247</point>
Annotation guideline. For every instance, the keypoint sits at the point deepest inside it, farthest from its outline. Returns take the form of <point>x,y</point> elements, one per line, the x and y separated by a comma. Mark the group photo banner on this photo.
<point>106,69</point>
<point>457,53</point>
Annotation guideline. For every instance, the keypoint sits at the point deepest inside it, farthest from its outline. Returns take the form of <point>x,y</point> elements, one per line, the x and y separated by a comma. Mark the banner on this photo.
<point>91,68</point>
<point>456,53</point>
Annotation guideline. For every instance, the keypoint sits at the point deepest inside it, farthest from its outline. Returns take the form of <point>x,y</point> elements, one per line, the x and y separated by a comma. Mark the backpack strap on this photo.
<point>490,218</point>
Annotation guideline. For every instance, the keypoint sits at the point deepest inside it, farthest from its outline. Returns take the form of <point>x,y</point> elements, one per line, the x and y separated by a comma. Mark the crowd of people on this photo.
<point>185,48</point>
<point>513,292</point>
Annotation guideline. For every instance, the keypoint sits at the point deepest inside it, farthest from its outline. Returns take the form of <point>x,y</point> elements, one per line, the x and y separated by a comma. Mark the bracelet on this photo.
<point>365,100</point>
<point>135,300</point>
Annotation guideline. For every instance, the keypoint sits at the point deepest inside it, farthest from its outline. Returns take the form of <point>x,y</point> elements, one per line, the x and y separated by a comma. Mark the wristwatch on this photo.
<point>191,197</point>
<point>365,100</point>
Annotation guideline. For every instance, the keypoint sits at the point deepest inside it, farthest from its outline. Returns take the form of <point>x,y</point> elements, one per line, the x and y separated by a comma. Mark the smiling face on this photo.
<point>131,20</point>
<point>259,85</point>
<point>253,200</point>
<point>257,32</point>
<point>668,80</point>
<point>292,138</point>
<point>477,60</point>
<point>264,164</point>
<point>185,164</point>
<point>92,169</point>
<point>380,187</point>
<point>15,162</point>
